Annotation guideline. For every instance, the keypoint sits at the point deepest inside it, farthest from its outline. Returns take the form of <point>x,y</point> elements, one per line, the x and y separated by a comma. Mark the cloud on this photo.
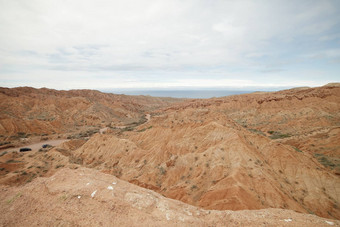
<point>155,39</point>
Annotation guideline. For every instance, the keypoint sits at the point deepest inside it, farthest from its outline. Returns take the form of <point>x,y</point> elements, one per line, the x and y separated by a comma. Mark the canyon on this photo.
<point>231,159</point>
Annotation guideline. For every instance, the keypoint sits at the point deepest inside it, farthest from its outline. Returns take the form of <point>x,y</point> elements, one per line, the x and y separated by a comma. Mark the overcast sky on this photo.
<point>168,44</point>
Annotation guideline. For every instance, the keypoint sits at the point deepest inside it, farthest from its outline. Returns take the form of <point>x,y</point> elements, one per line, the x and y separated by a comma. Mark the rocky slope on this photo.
<point>206,159</point>
<point>85,197</point>
<point>306,118</point>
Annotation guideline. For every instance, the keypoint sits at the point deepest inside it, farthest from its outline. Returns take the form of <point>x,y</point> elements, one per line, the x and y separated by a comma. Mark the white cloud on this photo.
<point>112,38</point>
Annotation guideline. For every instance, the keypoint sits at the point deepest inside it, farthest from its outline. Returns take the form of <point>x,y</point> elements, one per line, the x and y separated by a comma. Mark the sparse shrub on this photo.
<point>162,170</point>
<point>22,134</point>
<point>63,197</point>
<point>12,161</point>
<point>18,195</point>
<point>297,149</point>
<point>256,131</point>
<point>4,143</point>
<point>324,160</point>
<point>193,187</point>
<point>279,135</point>
<point>144,129</point>
<point>3,153</point>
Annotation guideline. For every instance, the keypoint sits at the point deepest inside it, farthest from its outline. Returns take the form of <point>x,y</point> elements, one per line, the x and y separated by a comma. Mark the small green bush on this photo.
<point>193,187</point>
<point>297,149</point>
<point>162,170</point>
<point>279,135</point>
<point>3,153</point>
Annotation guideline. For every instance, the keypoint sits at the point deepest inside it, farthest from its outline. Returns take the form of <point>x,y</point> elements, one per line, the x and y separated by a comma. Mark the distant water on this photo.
<point>183,93</point>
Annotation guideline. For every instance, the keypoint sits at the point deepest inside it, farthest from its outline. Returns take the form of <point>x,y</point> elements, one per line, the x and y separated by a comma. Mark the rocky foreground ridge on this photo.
<point>85,197</point>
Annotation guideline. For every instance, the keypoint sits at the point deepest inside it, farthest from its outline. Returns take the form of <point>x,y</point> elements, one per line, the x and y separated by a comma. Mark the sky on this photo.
<point>169,44</point>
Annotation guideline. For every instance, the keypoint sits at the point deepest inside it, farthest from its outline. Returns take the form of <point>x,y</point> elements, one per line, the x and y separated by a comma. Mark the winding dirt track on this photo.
<point>37,146</point>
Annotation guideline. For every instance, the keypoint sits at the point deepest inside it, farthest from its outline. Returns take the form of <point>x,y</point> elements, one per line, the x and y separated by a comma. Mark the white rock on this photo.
<point>329,222</point>
<point>288,220</point>
<point>188,212</point>
<point>114,182</point>
<point>88,184</point>
<point>110,187</point>
<point>79,196</point>
<point>93,193</point>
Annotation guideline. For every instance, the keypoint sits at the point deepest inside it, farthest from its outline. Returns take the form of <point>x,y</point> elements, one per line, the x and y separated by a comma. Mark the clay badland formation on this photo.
<point>28,113</point>
<point>246,152</point>
<point>45,111</point>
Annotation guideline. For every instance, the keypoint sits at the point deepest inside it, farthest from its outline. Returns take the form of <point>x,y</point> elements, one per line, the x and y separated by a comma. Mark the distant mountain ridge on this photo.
<point>45,111</point>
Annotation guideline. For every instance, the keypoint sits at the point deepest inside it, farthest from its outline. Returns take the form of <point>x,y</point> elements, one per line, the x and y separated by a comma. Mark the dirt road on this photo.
<point>37,146</point>
<point>103,130</point>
